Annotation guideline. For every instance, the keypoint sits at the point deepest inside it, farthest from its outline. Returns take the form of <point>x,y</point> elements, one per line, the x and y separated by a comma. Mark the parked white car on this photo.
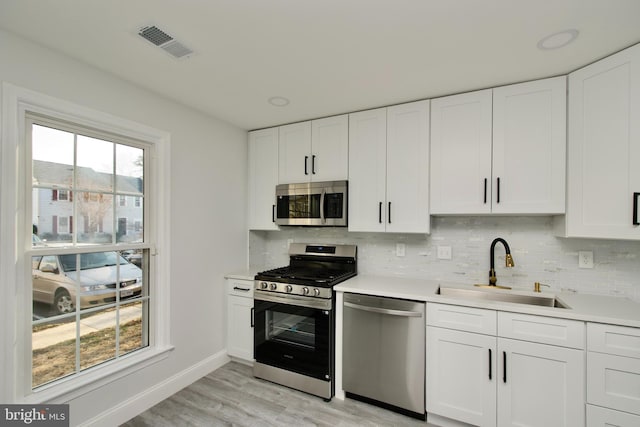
<point>56,281</point>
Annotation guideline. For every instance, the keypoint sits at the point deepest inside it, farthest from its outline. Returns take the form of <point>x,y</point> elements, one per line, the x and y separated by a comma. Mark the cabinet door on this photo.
<point>461,376</point>
<point>367,170</point>
<point>540,385</point>
<point>263,178</point>
<point>614,382</point>
<point>604,148</point>
<point>330,149</point>
<point>294,153</point>
<point>604,417</point>
<point>461,153</point>
<point>239,330</point>
<point>529,147</point>
<point>408,168</point>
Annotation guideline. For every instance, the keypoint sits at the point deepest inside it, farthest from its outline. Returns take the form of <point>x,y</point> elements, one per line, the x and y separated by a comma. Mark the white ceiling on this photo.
<point>326,56</point>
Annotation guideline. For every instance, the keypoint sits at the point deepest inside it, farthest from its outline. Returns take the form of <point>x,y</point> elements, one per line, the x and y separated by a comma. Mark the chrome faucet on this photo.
<point>508,260</point>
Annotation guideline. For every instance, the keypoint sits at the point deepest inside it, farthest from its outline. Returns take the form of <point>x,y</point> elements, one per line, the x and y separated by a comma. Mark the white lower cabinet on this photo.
<point>461,371</point>
<point>613,375</point>
<point>540,385</point>
<point>486,379</point>
<point>604,417</point>
<point>239,324</point>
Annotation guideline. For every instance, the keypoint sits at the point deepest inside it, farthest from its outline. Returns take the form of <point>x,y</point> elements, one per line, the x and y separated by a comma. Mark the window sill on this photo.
<point>65,390</point>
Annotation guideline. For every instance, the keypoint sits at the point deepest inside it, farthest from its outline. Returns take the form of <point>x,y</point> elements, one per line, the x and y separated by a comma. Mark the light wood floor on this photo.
<point>231,396</point>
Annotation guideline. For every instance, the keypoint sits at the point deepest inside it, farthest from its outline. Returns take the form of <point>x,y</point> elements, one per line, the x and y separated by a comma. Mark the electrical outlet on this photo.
<point>444,252</point>
<point>585,259</point>
<point>400,249</point>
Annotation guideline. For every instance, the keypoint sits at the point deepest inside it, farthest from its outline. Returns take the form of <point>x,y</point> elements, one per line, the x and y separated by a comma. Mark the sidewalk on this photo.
<point>88,325</point>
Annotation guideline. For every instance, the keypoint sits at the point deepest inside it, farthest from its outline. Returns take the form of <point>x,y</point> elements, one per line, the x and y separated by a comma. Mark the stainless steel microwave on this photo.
<point>312,203</point>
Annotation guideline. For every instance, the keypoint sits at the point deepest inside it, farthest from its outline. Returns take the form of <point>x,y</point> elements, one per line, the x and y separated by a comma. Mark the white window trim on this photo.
<point>14,269</point>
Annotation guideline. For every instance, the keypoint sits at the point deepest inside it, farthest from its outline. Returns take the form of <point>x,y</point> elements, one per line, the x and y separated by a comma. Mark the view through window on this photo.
<point>90,254</point>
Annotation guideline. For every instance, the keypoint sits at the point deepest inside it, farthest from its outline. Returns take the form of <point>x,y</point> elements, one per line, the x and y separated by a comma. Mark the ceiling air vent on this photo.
<point>164,41</point>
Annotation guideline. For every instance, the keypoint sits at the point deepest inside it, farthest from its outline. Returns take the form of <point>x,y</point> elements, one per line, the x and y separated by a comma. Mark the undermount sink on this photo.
<point>518,297</point>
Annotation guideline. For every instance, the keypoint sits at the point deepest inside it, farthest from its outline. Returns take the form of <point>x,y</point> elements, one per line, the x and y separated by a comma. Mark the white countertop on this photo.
<point>584,307</point>
<point>248,274</point>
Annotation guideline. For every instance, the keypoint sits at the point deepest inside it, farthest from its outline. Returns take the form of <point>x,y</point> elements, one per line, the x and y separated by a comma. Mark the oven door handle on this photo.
<point>307,302</point>
<point>378,310</point>
<point>322,218</point>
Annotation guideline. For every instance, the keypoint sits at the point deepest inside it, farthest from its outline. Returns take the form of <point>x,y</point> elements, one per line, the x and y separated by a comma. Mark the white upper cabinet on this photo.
<point>263,178</point>
<point>408,168</point>
<point>604,148</point>
<point>529,147</point>
<point>314,150</point>
<point>500,150</point>
<point>461,153</point>
<point>330,148</point>
<point>367,170</point>
<point>294,153</point>
<point>389,169</point>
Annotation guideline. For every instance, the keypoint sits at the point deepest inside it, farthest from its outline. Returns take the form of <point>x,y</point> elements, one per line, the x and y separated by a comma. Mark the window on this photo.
<point>80,277</point>
<point>133,283</point>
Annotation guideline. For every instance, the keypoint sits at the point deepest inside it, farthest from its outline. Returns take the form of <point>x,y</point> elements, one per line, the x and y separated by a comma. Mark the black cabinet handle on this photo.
<point>490,357</point>
<point>273,213</point>
<point>306,160</point>
<point>635,209</point>
<point>313,164</point>
<point>389,217</point>
<point>504,367</point>
<point>380,213</point>
<point>498,191</point>
<point>485,191</point>
<point>235,288</point>
<point>253,323</point>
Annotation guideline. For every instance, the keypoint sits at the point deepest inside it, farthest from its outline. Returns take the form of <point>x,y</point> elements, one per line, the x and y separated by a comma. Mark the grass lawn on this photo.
<point>58,360</point>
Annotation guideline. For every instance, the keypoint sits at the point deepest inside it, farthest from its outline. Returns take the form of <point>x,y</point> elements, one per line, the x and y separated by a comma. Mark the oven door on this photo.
<point>293,337</point>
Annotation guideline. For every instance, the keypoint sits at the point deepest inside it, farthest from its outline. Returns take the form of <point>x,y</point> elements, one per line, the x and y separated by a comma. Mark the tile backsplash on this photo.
<point>538,254</point>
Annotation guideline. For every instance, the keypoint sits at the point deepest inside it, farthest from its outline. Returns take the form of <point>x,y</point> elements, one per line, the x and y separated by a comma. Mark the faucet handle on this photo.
<point>536,286</point>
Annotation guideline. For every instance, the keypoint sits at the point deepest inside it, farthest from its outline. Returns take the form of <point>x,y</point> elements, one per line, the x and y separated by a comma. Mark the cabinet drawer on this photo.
<point>462,318</point>
<point>613,381</point>
<point>241,288</point>
<point>540,329</point>
<point>603,417</point>
<point>610,339</point>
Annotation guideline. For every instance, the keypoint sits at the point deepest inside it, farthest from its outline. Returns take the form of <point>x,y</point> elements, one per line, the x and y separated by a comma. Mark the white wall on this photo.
<point>539,255</point>
<point>208,197</point>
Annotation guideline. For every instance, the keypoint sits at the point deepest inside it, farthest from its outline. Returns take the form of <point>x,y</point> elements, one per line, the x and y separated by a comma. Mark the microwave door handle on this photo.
<point>322,218</point>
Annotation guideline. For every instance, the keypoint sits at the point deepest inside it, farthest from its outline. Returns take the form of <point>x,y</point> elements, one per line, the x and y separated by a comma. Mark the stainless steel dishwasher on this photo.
<point>384,352</point>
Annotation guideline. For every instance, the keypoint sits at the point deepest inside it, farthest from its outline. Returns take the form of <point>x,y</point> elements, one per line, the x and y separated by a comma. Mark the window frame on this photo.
<point>16,248</point>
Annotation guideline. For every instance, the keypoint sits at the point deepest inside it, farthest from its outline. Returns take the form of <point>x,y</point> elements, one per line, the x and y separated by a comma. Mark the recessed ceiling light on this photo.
<point>558,40</point>
<point>278,101</point>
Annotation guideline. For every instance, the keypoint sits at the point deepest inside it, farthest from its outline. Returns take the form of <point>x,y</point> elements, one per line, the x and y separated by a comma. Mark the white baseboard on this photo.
<point>436,420</point>
<point>148,398</point>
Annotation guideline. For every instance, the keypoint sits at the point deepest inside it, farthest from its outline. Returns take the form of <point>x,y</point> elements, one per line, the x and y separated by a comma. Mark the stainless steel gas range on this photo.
<point>294,317</point>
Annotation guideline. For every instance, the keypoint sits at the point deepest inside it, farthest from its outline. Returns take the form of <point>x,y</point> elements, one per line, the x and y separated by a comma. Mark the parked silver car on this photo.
<point>57,281</point>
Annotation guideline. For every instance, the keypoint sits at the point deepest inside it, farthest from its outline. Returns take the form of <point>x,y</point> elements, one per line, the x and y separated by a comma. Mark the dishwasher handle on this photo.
<point>378,310</point>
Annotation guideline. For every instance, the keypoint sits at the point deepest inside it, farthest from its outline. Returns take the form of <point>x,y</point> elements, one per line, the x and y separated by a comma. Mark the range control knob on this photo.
<point>274,286</point>
<point>305,291</point>
<point>263,285</point>
<point>288,288</point>
<point>316,292</point>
